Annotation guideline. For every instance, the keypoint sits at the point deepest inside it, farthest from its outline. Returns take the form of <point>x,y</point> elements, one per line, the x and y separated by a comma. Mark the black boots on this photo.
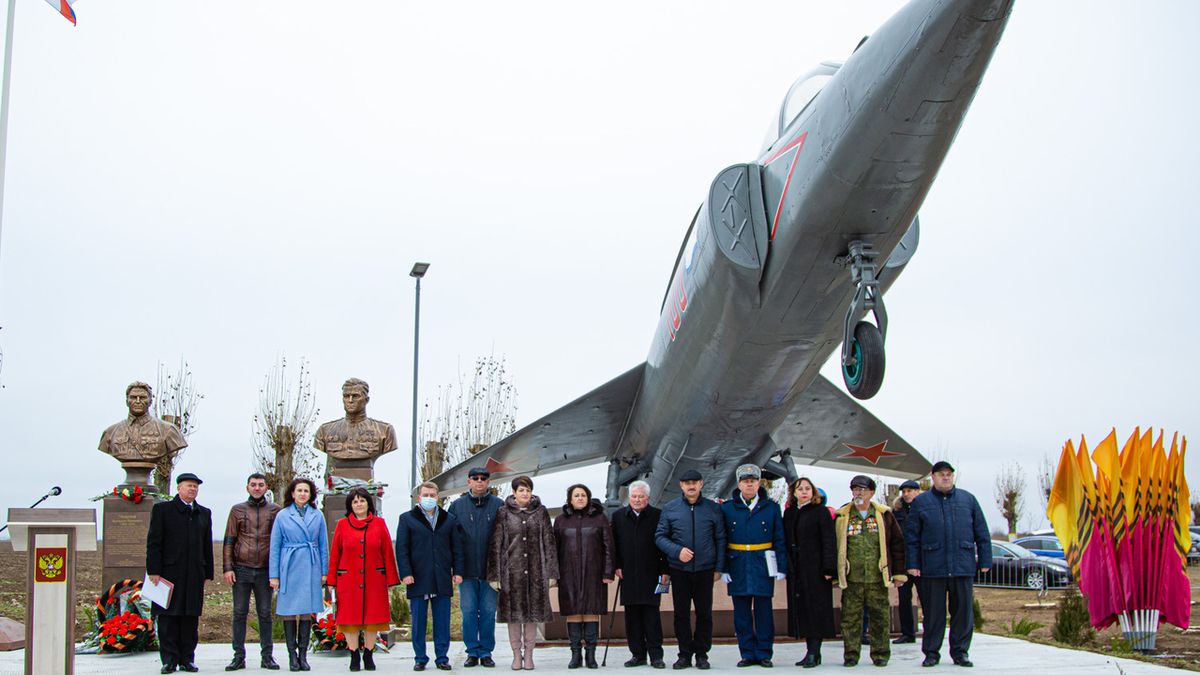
<point>591,634</point>
<point>368,659</point>
<point>289,636</point>
<point>354,667</point>
<point>575,635</point>
<point>303,632</point>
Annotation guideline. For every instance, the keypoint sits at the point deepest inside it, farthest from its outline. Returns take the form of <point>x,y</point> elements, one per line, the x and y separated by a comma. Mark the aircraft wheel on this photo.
<point>865,377</point>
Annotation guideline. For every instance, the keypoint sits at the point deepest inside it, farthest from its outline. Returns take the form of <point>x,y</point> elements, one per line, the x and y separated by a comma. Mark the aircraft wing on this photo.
<point>585,431</point>
<point>829,429</point>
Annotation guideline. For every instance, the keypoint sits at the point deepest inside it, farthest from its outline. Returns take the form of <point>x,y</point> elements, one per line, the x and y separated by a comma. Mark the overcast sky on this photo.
<point>231,181</point>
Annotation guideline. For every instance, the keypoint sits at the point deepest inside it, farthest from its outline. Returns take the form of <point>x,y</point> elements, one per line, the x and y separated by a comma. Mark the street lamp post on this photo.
<point>417,272</point>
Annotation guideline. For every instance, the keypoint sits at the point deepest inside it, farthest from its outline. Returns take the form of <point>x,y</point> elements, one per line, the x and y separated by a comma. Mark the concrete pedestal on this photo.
<point>125,527</point>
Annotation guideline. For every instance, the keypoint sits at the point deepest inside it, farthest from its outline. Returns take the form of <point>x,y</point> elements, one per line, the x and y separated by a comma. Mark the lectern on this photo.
<point>52,537</point>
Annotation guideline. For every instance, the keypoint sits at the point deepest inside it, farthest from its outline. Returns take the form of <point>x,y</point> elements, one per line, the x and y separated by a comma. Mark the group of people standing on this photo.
<point>505,556</point>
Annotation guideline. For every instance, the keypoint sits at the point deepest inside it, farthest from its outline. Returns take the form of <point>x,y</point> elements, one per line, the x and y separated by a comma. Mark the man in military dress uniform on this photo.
<point>140,437</point>
<point>355,436</point>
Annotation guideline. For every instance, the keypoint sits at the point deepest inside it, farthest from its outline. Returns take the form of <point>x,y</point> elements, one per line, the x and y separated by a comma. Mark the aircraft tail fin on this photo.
<point>829,429</point>
<point>584,431</point>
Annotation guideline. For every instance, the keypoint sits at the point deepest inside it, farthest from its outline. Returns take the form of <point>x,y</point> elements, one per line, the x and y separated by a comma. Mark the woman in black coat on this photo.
<point>587,560</point>
<point>812,562</point>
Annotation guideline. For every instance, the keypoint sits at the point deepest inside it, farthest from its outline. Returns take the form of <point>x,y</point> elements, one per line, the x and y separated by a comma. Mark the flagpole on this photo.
<point>8,41</point>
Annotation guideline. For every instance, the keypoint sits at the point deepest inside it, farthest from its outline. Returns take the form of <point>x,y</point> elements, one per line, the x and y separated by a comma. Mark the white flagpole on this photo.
<point>8,41</point>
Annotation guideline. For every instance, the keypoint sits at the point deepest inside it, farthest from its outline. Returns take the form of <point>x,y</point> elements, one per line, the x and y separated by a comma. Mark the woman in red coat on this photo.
<point>362,564</point>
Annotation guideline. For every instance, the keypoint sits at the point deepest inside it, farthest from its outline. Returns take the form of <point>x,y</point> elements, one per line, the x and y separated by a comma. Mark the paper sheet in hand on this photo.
<point>160,593</point>
<point>772,564</point>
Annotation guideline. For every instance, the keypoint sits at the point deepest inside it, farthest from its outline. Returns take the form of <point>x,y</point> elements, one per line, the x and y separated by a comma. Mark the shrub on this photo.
<point>978,611</point>
<point>1023,627</point>
<point>399,607</point>
<point>1073,621</point>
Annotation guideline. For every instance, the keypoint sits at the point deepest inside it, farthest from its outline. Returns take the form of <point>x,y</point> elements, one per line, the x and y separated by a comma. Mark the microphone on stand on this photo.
<point>54,492</point>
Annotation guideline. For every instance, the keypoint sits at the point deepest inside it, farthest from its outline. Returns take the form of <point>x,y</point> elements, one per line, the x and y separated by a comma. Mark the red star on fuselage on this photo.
<point>872,454</point>
<point>501,467</point>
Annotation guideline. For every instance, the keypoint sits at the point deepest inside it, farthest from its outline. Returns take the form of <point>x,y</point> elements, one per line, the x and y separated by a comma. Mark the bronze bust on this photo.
<point>356,436</point>
<point>140,437</point>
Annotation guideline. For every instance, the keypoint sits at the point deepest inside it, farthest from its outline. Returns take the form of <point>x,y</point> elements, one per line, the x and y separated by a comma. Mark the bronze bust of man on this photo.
<point>140,437</point>
<point>356,436</point>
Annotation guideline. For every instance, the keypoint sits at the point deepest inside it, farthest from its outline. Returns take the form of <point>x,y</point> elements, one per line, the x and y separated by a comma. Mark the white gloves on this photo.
<point>780,576</point>
<point>725,578</point>
<point>553,583</point>
<point>495,585</point>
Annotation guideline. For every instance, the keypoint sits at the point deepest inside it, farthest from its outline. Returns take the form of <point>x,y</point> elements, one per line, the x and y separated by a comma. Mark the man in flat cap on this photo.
<point>909,490</point>
<point>179,549</point>
<point>947,540</point>
<point>475,512</point>
<point>756,558</point>
<point>691,531</point>
<point>870,548</point>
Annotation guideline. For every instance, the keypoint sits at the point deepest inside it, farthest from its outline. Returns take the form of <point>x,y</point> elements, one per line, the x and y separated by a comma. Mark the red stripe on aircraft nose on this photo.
<point>798,144</point>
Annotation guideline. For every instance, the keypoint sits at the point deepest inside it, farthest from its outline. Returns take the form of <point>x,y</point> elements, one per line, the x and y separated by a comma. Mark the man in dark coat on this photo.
<point>641,567</point>
<point>947,540</point>
<point>179,549</point>
<point>475,512</point>
<point>691,531</point>
<point>909,490</point>
<point>755,559</point>
<point>430,559</point>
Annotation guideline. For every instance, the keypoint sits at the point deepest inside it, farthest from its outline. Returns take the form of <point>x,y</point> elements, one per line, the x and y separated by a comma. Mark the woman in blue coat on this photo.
<point>299,555</point>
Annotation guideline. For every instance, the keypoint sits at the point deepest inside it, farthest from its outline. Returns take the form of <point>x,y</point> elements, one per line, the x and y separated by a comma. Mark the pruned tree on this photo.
<point>175,402</point>
<point>1010,494</point>
<point>282,438</point>
<point>1196,511</point>
<point>1046,471</point>
<point>468,417</point>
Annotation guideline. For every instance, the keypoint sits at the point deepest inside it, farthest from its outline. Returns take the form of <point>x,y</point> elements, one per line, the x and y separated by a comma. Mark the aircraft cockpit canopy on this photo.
<point>802,93</point>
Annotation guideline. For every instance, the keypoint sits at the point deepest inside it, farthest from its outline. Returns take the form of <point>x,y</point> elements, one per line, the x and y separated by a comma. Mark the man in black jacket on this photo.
<point>909,490</point>
<point>179,549</point>
<point>641,567</point>
<point>691,531</point>
<point>476,512</point>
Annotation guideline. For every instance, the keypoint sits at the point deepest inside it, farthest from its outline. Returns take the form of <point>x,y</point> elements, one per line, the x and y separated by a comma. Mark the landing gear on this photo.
<point>863,357</point>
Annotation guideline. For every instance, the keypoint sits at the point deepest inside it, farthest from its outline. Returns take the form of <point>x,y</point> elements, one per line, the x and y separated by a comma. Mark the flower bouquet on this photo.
<point>325,637</point>
<point>122,622</point>
<point>135,494</point>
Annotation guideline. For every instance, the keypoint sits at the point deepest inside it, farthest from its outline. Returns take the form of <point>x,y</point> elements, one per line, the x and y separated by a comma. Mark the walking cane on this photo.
<point>604,661</point>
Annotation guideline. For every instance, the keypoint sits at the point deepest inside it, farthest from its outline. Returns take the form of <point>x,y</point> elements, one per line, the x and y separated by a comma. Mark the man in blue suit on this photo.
<point>756,558</point>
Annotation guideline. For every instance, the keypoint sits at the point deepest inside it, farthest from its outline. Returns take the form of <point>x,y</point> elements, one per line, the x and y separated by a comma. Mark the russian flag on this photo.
<point>64,8</point>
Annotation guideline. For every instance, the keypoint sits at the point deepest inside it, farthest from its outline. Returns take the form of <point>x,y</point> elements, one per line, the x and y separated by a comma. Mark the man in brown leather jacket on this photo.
<point>247,547</point>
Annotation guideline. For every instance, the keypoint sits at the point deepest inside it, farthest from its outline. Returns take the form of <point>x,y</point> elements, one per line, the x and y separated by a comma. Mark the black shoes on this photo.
<point>744,663</point>
<point>658,664</point>
<point>267,663</point>
<point>930,661</point>
<point>236,664</point>
<point>810,660</point>
<point>443,665</point>
<point>904,640</point>
<point>487,662</point>
<point>471,662</point>
<point>419,666</point>
<point>168,668</point>
<point>635,662</point>
<point>964,662</point>
<point>189,667</point>
<point>766,663</point>
<point>850,663</point>
<point>682,663</point>
<point>879,663</point>
<point>702,662</point>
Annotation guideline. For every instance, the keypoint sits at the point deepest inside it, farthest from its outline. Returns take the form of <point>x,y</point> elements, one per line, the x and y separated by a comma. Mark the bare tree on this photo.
<point>175,403</point>
<point>1046,471</point>
<point>282,438</point>
<point>468,417</point>
<point>1010,494</point>
<point>1196,511</point>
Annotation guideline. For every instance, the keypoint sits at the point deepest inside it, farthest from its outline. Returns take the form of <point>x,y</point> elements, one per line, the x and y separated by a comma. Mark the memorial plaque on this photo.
<point>125,537</point>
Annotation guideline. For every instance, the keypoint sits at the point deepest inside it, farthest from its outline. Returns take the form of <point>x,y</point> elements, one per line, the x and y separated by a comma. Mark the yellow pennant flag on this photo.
<point>1065,504</point>
<point>1130,466</point>
<point>1108,465</point>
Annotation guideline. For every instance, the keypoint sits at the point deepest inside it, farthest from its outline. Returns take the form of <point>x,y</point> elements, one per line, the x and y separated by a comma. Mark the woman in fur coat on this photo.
<point>522,567</point>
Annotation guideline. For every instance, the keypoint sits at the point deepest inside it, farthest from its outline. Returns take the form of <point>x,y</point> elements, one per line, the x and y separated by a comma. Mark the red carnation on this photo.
<point>112,639</point>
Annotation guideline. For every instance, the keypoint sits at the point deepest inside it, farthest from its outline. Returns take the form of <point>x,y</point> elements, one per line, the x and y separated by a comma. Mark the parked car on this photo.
<point>1047,546</point>
<point>1193,556</point>
<point>1016,567</point>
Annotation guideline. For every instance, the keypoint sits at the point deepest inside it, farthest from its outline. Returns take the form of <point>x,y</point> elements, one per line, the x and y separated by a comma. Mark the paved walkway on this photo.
<point>990,654</point>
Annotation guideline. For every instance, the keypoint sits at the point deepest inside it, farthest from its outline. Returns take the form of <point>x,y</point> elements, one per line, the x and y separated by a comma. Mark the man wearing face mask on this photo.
<point>870,547</point>
<point>429,556</point>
